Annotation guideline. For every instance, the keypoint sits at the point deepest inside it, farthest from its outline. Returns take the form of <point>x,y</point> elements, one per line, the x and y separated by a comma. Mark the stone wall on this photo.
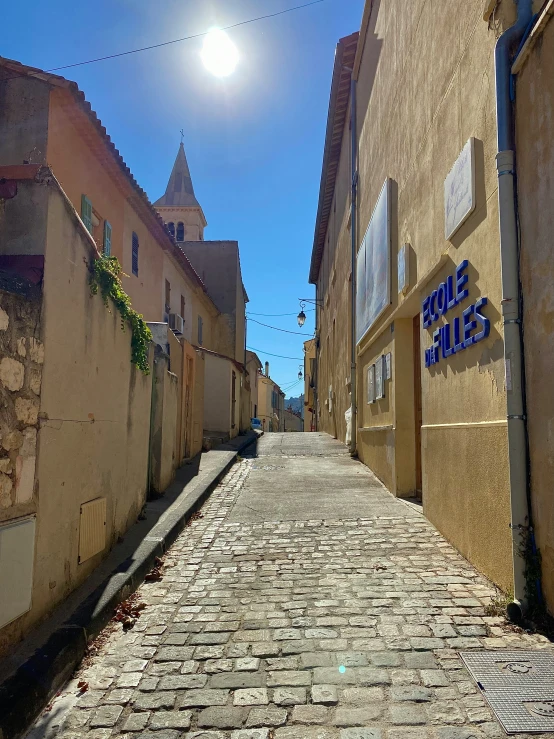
<point>21,359</point>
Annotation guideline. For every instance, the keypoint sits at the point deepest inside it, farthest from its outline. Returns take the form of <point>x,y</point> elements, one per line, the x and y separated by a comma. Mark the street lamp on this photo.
<point>300,375</point>
<point>301,318</point>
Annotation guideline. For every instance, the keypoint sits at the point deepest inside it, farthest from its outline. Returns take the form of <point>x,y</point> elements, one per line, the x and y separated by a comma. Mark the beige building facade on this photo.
<point>271,403</point>
<point>430,380</point>
<point>310,385</point>
<point>219,336</point>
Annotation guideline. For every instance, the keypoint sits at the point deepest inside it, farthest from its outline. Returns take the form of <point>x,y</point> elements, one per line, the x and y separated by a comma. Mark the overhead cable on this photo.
<point>275,315</point>
<point>177,40</point>
<point>261,351</point>
<point>284,330</point>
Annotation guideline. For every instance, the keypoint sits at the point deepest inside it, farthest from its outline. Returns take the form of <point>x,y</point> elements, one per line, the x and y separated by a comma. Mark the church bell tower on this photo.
<point>178,207</point>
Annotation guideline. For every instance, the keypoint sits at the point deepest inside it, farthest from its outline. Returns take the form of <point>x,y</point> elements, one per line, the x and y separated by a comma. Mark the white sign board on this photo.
<point>388,370</point>
<point>379,379</point>
<point>459,190</point>
<point>371,384</point>
<point>373,266</point>
<point>403,268</point>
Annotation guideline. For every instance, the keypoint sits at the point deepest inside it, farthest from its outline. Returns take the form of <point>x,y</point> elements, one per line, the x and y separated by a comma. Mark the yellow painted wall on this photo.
<point>94,427</point>
<point>72,139</point>
<point>535,164</point>
<point>198,404</point>
<point>310,376</point>
<point>217,395</point>
<point>265,410</point>
<point>426,85</point>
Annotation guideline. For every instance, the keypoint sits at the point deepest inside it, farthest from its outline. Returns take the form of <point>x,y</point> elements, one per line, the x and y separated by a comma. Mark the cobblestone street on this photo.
<point>305,603</point>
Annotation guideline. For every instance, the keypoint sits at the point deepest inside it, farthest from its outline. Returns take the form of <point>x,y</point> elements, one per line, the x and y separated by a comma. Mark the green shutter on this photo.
<point>107,239</point>
<point>86,212</point>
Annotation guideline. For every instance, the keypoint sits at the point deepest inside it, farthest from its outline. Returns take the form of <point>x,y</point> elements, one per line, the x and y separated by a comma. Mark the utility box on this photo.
<point>17,553</point>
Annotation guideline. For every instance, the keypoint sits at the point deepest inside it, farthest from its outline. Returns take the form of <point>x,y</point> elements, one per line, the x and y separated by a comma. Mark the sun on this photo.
<point>219,53</point>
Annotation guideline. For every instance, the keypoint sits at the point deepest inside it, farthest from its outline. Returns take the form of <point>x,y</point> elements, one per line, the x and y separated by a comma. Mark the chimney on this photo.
<point>267,369</point>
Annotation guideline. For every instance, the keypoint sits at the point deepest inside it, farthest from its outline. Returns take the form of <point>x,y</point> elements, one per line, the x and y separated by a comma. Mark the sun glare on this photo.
<point>219,53</point>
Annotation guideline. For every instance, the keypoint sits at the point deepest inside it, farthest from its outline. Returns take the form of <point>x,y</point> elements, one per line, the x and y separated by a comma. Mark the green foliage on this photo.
<point>499,604</point>
<point>532,557</point>
<point>106,278</point>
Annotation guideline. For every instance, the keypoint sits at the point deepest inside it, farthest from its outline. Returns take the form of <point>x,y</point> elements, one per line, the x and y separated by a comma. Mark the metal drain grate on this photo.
<point>519,687</point>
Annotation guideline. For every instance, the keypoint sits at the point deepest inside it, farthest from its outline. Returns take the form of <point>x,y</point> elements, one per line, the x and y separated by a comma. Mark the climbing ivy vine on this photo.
<point>105,278</point>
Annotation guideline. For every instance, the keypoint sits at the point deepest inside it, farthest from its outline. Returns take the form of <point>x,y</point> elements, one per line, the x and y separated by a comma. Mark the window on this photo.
<point>180,232</point>
<point>135,254</point>
<point>182,307</point>
<point>86,212</point>
<point>167,296</point>
<point>171,228</point>
<point>107,239</point>
<point>200,327</point>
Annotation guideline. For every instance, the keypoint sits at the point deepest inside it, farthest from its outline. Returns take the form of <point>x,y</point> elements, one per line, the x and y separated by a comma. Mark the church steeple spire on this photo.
<point>179,190</point>
<point>179,207</point>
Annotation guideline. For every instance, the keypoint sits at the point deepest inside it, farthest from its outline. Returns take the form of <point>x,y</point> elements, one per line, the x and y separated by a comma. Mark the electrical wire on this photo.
<point>284,330</point>
<point>261,351</point>
<point>275,315</point>
<point>175,41</point>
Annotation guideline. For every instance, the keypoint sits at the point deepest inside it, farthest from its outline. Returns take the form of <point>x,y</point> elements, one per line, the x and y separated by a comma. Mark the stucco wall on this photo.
<point>426,85</point>
<point>198,405</point>
<point>23,119</point>
<point>217,395</point>
<point>535,164</point>
<point>217,264</point>
<point>165,420</point>
<point>292,422</point>
<point>93,424</point>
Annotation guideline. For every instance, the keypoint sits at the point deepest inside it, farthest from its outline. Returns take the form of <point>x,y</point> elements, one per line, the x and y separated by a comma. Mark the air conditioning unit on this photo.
<point>176,323</point>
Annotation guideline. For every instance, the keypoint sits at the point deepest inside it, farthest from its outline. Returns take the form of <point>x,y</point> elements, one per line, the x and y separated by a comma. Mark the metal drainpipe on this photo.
<point>511,299</point>
<point>354,172</point>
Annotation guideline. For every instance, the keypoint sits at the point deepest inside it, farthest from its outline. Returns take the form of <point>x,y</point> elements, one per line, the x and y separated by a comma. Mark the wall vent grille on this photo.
<point>92,528</point>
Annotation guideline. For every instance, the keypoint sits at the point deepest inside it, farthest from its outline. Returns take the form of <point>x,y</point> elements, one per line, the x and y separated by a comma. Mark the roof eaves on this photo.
<point>150,212</point>
<point>336,119</point>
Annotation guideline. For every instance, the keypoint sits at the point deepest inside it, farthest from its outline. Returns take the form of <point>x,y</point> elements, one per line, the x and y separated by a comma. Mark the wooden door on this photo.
<point>417,403</point>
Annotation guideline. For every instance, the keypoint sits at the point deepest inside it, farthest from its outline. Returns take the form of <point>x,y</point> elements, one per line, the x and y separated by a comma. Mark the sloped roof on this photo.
<point>179,191</point>
<point>336,120</point>
<point>143,203</point>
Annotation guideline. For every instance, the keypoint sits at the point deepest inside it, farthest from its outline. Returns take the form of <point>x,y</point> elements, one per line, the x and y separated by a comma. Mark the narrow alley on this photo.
<point>305,602</point>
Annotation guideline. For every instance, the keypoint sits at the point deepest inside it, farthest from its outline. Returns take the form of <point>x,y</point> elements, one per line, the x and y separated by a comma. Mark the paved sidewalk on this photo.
<point>306,603</point>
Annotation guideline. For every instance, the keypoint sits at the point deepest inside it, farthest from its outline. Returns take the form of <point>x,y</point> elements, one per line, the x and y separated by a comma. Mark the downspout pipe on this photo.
<point>353,245</point>
<point>511,302</point>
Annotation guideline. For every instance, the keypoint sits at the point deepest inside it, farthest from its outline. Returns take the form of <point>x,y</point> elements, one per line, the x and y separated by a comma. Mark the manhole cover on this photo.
<point>540,709</point>
<point>519,687</point>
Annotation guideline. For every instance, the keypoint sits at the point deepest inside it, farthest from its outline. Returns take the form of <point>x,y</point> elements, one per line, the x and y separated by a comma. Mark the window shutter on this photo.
<point>107,239</point>
<point>86,212</point>
<point>135,253</point>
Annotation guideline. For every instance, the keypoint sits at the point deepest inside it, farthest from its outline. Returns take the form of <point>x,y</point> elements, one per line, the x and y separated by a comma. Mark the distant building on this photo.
<point>271,402</point>
<point>310,385</point>
<point>227,395</point>
<point>253,368</point>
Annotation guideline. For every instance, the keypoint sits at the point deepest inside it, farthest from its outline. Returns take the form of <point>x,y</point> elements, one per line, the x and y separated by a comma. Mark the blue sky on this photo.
<point>254,140</point>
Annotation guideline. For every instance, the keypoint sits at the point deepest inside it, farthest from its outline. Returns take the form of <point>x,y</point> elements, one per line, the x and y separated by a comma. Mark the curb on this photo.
<point>27,691</point>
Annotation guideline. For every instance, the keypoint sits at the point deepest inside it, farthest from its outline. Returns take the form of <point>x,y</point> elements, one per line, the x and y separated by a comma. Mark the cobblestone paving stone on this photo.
<point>304,629</point>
